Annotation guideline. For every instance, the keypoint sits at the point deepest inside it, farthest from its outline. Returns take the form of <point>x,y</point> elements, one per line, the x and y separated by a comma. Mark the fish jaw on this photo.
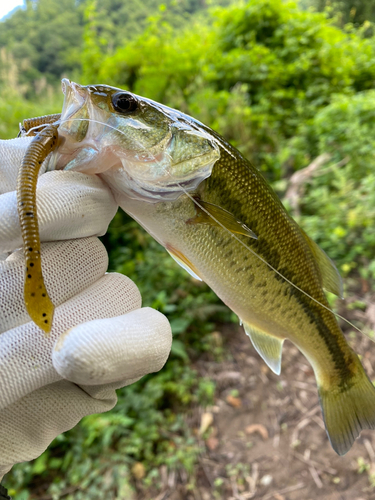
<point>152,154</point>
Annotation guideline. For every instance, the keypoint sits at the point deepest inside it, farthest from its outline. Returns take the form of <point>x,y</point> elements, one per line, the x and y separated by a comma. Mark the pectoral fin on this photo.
<point>331,279</point>
<point>183,262</point>
<point>268,347</point>
<point>213,215</point>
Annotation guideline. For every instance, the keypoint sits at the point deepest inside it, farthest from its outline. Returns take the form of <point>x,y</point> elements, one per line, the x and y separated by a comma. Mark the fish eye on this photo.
<point>124,102</point>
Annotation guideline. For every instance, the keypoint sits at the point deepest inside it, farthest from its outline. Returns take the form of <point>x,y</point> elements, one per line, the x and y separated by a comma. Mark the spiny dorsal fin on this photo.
<point>216,213</point>
<point>331,279</point>
<point>267,346</point>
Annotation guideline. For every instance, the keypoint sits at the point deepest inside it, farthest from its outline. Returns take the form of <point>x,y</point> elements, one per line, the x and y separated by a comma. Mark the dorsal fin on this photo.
<point>331,279</point>
<point>267,346</point>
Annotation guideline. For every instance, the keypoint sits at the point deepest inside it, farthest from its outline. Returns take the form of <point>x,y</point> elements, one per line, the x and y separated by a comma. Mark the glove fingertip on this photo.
<point>109,350</point>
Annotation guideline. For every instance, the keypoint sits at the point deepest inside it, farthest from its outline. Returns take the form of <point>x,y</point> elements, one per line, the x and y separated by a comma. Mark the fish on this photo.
<point>216,215</point>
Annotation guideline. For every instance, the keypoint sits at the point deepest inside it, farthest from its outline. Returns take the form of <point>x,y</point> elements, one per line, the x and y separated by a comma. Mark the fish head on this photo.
<point>142,148</point>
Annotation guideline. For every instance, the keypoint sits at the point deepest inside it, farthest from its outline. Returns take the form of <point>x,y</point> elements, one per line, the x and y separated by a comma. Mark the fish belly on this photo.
<point>242,281</point>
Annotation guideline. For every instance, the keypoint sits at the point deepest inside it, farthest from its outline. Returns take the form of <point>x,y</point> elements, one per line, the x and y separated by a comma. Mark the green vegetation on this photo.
<point>146,427</point>
<point>284,85</point>
<point>346,11</point>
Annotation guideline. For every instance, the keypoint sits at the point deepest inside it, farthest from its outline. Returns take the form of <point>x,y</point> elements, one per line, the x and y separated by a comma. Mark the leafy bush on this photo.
<point>259,73</point>
<point>339,205</point>
<point>97,457</point>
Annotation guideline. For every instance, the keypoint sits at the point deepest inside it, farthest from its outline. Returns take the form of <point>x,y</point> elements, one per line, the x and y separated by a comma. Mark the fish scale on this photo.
<point>277,236</point>
<point>255,292</point>
<point>218,218</point>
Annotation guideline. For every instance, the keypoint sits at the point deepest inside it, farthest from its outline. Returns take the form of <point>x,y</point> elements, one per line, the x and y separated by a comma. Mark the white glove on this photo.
<point>101,339</point>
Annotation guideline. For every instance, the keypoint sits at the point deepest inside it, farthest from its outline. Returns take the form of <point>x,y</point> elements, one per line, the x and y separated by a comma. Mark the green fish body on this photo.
<point>217,216</point>
<point>270,308</point>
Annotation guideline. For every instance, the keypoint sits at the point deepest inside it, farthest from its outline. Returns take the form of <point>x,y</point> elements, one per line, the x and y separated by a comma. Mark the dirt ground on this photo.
<point>266,438</point>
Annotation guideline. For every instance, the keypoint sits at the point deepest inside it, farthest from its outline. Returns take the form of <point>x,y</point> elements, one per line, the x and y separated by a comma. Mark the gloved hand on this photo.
<point>101,338</point>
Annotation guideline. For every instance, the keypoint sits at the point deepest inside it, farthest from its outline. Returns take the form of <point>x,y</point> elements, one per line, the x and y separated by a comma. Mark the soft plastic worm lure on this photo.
<point>31,125</point>
<point>38,304</point>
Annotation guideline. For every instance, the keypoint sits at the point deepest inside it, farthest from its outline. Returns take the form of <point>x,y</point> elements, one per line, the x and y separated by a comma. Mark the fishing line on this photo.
<point>270,265</point>
<point>196,202</point>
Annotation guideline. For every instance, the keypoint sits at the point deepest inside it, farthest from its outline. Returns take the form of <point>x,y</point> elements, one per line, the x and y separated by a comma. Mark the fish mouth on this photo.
<point>177,163</point>
<point>73,125</point>
<point>75,98</point>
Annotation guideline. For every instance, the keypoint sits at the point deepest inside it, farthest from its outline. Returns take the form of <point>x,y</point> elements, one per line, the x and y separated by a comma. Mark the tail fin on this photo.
<point>347,409</point>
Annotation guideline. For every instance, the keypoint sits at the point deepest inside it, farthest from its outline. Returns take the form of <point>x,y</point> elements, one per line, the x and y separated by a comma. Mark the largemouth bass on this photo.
<point>217,217</point>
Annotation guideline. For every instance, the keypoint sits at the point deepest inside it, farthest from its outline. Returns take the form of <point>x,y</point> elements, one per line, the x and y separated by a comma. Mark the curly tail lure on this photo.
<point>38,303</point>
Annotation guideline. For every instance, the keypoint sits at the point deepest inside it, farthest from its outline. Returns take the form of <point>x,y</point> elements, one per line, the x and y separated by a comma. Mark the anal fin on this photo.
<point>267,346</point>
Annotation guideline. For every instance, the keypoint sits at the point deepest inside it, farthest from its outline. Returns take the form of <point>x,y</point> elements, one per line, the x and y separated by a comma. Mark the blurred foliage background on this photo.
<point>285,82</point>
